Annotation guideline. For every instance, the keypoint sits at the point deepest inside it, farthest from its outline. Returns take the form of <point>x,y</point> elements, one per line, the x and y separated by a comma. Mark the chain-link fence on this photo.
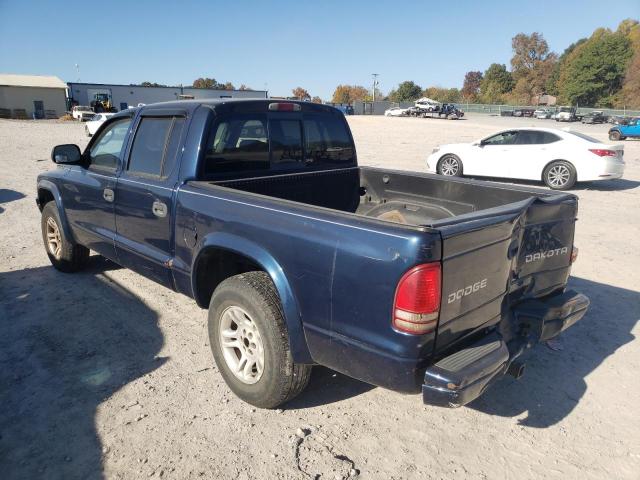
<point>378,108</point>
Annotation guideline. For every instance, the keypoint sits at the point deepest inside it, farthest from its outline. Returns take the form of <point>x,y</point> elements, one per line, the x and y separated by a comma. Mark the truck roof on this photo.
<point>191,105</point>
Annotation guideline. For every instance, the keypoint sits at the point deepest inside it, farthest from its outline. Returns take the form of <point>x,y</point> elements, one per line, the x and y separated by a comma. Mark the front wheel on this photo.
<point>64,255</point>
<point>559,175</point>
<point>250,343</point>
<point>615,135</point>
<point>450,166</point>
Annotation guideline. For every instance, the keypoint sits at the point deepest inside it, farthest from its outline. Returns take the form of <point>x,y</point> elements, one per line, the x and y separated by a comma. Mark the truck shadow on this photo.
<point>554,381</point>
<point>7,196</point>
<point>67,342</point>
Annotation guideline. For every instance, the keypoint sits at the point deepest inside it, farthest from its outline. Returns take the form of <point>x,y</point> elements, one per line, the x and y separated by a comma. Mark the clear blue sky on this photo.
<point>279,45</point>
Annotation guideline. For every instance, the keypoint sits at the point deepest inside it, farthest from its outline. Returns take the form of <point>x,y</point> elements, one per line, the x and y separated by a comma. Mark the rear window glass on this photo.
<point>584,137</point>
<point>148,146</point>
<point>327,140</point>
<point>535,137</point>
<point>238,144</point>
<point>286,141</point>
<point>155,146</point>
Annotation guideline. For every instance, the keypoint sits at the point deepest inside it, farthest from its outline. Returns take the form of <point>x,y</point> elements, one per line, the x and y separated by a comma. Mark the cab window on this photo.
<point>106,151</point>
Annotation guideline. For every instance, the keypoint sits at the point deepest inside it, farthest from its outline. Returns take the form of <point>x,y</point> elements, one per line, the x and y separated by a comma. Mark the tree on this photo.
<point>244,87</point>
<point>596,69</point>
<point>150,84</point>
<point>532,64</point>
<point>406,92</point>
<point>349,94</point>
<point>630,93</point>
<point>497,81</point>
<point>552,86</point>
<point>207,83</point>
<point>301,94</point>
<point>471,86</point>
<point>316,100</point>
<point>444,95</point>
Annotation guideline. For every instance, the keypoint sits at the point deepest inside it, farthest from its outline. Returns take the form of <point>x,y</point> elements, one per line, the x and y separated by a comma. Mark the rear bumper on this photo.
<point>464,375</point>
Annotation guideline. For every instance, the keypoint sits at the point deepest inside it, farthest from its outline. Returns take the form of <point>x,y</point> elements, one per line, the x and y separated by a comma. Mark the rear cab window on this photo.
<point>155,146</point>
<point>254,144</point>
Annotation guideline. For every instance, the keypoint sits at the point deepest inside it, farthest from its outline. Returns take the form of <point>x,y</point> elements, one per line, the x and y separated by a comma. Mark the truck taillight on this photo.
<point>574,254</point>
<point>284,107</point>
<point>417,303</point>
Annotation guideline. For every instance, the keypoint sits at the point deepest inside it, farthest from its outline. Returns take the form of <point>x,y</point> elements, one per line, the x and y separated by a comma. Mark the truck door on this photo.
<point>145,194</point>
<point>88,196</point>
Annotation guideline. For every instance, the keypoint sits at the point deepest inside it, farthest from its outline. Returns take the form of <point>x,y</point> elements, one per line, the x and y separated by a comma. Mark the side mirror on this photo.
<point>478,144</point>
<point>67,153</point>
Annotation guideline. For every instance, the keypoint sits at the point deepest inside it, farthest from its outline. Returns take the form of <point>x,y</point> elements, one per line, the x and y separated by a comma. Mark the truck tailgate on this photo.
<point>496,258</point>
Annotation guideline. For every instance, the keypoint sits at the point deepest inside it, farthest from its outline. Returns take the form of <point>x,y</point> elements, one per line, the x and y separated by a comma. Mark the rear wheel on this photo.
<point>249,340</point>
<point>450,165</point>
<point>559,175</point>
<point>615,135</point>
<point>64,255</point>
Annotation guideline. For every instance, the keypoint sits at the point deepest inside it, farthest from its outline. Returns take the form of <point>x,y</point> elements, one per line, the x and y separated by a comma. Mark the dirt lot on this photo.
<point>105,374</point>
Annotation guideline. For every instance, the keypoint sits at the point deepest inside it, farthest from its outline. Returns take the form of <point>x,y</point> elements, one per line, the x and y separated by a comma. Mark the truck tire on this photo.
<point>615,135</point>
<point>250,344</point>
<point>450,165</point>
<point>559,175</point>
<point>63,254</point>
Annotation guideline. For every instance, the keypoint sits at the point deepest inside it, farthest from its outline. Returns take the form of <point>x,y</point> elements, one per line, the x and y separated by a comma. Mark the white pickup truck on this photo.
<point>82,113</point>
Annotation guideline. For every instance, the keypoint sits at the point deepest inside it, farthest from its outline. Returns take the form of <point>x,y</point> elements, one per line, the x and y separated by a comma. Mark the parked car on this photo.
<point>543,113</point>
<point>428,104</point>
<point>506,113</point>
<point>523,112</point>
<point>449,110</point>
<point>95,122</point>
<point>619,119</point>
<point>82,113</point>
<point>395,112</point>
<point>597,116</point>
<point>560,158</point>
<point>566,114</point>
<point>622,132</point>
<point>258,210</point>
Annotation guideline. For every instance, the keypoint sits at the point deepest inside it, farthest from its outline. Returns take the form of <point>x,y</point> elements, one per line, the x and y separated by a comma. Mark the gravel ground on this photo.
<point>104,374</point>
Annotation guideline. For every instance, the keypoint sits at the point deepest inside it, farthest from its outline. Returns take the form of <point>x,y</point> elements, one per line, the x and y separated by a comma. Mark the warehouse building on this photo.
<point>32,96</point>
<point>125,96</point>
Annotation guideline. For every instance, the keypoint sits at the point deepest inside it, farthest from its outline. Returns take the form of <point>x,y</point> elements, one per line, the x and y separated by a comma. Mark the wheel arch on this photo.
<point>231,255</point>
<point>47,192</point>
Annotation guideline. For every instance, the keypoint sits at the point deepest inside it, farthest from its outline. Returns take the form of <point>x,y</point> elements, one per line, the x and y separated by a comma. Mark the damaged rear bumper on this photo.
<point>464,375</point>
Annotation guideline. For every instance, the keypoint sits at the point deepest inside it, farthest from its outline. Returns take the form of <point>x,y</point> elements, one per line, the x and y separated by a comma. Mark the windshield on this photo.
<point>584,137</point>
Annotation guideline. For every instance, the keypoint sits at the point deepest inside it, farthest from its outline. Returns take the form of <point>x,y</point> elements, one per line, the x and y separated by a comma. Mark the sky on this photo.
<point>279,45</point>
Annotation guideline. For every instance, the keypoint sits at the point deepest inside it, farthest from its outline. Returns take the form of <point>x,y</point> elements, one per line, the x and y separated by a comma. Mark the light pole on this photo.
<point>375,85</point>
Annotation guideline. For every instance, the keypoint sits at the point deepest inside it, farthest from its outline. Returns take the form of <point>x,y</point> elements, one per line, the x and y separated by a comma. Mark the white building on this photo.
<point>32,96</point>
<point>125,96</point>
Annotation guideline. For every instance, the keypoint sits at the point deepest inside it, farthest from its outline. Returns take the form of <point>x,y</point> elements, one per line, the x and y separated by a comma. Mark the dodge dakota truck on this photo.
<point>258,210</point>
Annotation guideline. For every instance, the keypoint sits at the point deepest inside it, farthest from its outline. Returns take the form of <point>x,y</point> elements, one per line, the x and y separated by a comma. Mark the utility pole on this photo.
<point>375,85</point>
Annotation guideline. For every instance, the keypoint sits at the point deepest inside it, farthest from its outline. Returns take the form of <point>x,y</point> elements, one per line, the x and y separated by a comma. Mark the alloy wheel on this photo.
<point>241,345</point>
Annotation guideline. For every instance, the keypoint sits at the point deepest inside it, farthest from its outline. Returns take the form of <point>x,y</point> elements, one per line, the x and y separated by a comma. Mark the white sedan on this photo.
<point>395,112</point>
<point>91,127</point>
<point>559,158</point>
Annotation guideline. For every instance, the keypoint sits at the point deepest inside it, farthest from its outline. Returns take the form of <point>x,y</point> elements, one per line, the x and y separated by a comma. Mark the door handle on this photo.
<point>107,194</point>
<point>159,209</point>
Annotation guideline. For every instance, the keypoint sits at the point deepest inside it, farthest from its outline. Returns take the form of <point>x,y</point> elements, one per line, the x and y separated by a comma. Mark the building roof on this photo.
<point>42,81</point>
<point>183,87</point>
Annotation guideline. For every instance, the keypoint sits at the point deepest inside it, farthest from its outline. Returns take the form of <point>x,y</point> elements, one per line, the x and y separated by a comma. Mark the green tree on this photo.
<point>552,86</point>
<point>596,69</point>
<point>316,100</point>
<point>444,95</point>
<point>151,84</point>
<point>497,81</point>
<point>406,92</point>
<point>471,86</point>
<point>207,83</point>
<point>630,93</point>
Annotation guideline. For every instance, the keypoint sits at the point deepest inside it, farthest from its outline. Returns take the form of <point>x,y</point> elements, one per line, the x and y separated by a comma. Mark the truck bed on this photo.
<point>407,198</point>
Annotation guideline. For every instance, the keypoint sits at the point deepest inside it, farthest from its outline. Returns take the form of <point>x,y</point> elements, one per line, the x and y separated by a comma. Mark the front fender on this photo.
<point>51,187</point>
<point>269,264</point>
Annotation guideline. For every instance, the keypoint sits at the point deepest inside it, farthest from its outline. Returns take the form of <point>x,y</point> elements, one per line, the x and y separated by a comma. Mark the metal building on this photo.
<point>125,96</point>
<point>32,96</point>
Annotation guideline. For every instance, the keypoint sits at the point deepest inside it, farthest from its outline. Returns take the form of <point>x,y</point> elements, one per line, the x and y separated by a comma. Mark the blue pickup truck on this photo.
<point>258,210</point>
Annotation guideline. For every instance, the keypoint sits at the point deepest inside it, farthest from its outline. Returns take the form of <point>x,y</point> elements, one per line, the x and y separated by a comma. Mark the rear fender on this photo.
<point>269,264</point>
